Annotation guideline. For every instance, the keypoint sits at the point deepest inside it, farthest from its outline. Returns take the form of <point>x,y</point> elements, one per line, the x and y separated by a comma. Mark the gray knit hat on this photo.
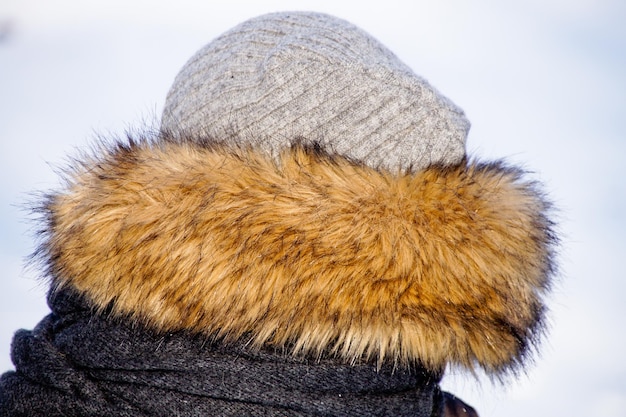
<point>315,78</point>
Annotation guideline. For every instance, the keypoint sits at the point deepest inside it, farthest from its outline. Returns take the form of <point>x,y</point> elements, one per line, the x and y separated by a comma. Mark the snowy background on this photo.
<point>543,82</point>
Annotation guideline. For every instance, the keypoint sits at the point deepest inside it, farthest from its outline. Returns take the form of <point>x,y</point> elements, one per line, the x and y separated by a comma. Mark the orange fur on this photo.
<point>313,252</point>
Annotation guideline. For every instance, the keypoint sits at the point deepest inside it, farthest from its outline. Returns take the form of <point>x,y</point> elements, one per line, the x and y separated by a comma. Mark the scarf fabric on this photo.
<point>77,363</point>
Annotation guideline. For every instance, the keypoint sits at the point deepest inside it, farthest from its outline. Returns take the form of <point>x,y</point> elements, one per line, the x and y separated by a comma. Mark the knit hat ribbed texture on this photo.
<point>315,78</point>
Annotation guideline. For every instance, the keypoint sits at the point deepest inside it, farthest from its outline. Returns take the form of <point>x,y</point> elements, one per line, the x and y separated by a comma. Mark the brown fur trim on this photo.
<point>314,253</point>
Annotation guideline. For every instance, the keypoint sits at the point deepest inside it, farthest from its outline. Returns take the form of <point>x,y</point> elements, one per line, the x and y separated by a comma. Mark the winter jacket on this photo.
<point>195,280</point>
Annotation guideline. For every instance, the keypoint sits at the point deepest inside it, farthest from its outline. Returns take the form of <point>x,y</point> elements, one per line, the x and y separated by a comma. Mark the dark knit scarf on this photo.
<point>76,363</point>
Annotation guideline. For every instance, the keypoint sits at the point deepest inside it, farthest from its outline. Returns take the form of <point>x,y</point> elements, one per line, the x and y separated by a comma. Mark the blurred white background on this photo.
<point>543,82</point>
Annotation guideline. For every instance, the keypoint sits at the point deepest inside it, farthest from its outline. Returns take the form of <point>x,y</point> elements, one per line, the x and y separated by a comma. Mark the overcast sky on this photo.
<point>543,82</point>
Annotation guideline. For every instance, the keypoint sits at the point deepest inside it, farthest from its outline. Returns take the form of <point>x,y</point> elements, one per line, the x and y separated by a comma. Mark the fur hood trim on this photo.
<point>312,253</point>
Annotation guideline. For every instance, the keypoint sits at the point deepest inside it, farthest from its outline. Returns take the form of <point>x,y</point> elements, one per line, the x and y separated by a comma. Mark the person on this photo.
<point>303,235</point>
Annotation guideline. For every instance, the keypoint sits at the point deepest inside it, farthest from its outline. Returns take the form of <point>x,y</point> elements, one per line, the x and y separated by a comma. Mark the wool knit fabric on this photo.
<point>309,75</point>
<point>75,363</point>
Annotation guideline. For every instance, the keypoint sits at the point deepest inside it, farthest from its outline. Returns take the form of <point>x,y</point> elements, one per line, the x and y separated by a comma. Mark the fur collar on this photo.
<point>313,253</point>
